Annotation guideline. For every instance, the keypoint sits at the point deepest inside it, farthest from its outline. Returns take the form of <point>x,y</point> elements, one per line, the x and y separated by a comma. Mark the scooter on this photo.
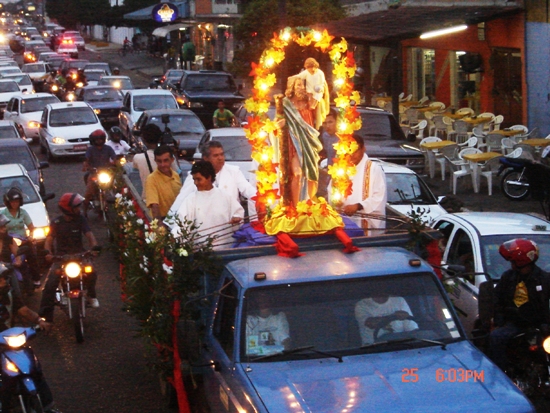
<point>21,373</point>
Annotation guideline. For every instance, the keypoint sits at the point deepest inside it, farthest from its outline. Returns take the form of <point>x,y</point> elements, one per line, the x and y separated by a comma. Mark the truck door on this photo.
<point>219,350</point>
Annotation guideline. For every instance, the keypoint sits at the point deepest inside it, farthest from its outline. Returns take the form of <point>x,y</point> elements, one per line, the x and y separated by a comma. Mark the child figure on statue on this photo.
<point>317,90</point>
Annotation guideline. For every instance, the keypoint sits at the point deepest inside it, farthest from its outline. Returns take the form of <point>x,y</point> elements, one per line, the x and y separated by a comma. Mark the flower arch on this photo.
<point>260,126</point>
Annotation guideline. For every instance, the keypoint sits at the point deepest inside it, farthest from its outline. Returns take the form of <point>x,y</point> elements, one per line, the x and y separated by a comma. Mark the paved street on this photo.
<point>109,371</point>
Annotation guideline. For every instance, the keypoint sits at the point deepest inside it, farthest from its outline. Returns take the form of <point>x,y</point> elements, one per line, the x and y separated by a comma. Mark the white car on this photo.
<point>408,193</point>
<point>137,101</point>
<point>26,111</point>
<point>473,240</point>
<point>93,76</point>
<point>8,89</point>
<point>65,129</point>
<point>23,81</point>
<point>15,176</point>
<point>122,83</point>
<point>36,71</point>
<point>6,70</point>
<point>68,49</point>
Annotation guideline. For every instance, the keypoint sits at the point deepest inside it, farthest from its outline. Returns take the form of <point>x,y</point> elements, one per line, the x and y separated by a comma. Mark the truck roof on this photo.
<point>326,265</point>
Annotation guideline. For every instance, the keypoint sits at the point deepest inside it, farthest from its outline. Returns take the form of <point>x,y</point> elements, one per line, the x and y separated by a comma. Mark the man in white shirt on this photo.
<point>369,193</point>
<point>229,178</point>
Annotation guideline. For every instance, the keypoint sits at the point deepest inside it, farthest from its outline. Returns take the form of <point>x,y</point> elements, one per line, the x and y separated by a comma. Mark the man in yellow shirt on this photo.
<point>163,185</point>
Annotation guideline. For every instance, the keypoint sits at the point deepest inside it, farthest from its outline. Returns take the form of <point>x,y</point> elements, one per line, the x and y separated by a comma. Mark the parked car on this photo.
<point>236,147</point>
<point>137,101</point>
<point>18,151</point>
<point>184,125</point>
<point>473,240</point>
<point>313,354</point>
<point>408,193</point>
<point>201,91</point>
<point>65,129</point>
<point>15,175</point>
<point>123,83</point>
<point>26,111</point>
<point>105,100</point>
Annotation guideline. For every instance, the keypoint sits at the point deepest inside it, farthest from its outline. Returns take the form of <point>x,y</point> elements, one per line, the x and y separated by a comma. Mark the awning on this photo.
<point>410,21</point>
<point>164,30</point>
<point>145,14</point>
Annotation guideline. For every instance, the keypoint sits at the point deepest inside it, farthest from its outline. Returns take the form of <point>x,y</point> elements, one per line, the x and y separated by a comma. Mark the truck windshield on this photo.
<point>345,318</point>
<point>216,83</point>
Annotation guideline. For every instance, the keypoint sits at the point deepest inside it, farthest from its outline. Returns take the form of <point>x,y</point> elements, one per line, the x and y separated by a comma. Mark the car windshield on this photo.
<point>179,123</point>
<point>119,83</point>
<point>102,95</point>
<point>495,265</point>
<point>78,64</point>
<point>235,148</point>
<point>212,83</point>
<point>34,68</point>
<point>379,127</point>
<point>94,76</point>
<point>72,117</point>
<point>7,132</point>
<point>37,104</point>
<point>23,79</point>
<point>148,102</point>
<point>330,317</point>
<point>403,188</point>
<point>10,70</point>
<point>104,66</point>
<point>8,87</point>
<point>22,183</point>
<point>20,155</point>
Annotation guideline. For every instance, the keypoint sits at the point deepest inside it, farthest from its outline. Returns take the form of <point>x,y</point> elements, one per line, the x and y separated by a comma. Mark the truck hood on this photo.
<point>188,140</point>
<point>378,383</point>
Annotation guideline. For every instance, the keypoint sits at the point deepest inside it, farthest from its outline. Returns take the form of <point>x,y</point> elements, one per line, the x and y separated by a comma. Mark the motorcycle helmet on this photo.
<point>98,136</point>
<point>115,134</point>
<point>69,202</point>
<point>12,195</point>
<point>4,220</point>
<point>520,251</point>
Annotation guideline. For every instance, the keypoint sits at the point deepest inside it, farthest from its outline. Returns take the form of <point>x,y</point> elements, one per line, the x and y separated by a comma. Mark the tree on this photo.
<point>262,18</point>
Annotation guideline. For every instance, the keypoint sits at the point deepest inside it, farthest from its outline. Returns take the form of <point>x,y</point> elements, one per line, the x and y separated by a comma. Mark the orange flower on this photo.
<point>324,43</point>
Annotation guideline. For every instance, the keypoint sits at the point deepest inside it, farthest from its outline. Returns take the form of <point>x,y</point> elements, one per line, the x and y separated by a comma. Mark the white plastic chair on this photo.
<point>470,143</point>
<point>419,128</point>
<point>466,111</point>
<point>489,170</point>
<point>437,106</point>
<point>412,117</point>
<point>423,100</point>
<point>497,121</point>
<point>494,142</point>
<point>401,96</point>
<point>507,145</point>
<point>429,156</point>
<point>527,151</point>
<point>522,128</point>
<point>444,155</point>
<point>441,125</point>
<point>459,169</point>
<point>480,135</point>
<point>516,153</point>
<point>460,131</point>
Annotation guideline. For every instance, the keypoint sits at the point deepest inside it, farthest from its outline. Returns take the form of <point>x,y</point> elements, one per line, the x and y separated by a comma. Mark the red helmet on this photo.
<point>96,136</point>
<point>520,251</point>
<point>69,202</point>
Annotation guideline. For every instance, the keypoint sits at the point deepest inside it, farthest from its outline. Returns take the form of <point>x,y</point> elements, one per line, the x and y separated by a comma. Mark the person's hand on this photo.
<point>48,257</point>
<point>401,315</point>
<point>235,220</point>
<point>44,325</point>
<point>351,209</point>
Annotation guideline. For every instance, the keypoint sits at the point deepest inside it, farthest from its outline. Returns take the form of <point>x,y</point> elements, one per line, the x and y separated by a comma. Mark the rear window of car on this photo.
<point>180,123</point>
<point>102,95</point>
<point>148,102</point>
<point>118,83</point>
<point>6,87</point>
<point>13,154</point>
<point>23,184</point>
<point>379,127</point>
<point>7,132</point>
<point>34,68</point>
<point>215,83</point>
<point>72,117</point>
<point>36,104</point>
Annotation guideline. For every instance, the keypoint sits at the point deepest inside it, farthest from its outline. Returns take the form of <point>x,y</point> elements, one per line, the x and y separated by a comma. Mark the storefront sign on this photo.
<point>165,12</point>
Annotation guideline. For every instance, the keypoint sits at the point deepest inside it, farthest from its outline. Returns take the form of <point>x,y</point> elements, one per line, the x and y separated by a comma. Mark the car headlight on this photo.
<point>72,269</point>
<point>546,344</point>
<point>195,105</point>
<point>116,85</point>
<point>16,342</point>
<point>97,111</point>
<point>58,140</point>
<point>40,232</point>
<point>104,178</point>
<point>33,124</point>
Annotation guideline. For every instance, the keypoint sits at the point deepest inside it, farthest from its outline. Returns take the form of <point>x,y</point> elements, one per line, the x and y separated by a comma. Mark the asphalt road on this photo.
<point>109,372</point>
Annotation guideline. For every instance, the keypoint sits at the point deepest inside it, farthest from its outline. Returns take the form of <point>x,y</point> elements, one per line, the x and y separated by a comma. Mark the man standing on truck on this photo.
<point>163,185</point>
<point>368,190</point>
<point>229,178</point>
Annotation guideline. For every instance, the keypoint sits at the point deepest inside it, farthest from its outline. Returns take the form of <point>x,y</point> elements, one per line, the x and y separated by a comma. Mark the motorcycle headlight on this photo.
<point>122,161</point>
<point>16,341</point>
<point>546,344</point>
<point>72,270</point>
<point>58,140</point>
<point>55,88</point>
<point>33,124</point>
<point>70,97</point>
<point>97,111</point>
<point>104,178</point>
<point>41,232</point>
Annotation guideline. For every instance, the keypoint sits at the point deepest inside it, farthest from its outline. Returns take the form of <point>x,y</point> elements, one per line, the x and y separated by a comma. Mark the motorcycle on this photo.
<point>103,178</point>
<point>21,372</point>
<point>514,182</point>
<point>529,362</point>
<point>75,271</point>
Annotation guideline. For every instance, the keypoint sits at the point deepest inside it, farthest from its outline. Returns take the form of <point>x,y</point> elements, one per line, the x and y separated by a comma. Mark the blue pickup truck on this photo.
<point>291,335</point>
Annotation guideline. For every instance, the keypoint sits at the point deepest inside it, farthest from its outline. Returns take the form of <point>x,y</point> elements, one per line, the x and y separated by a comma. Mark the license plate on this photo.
<point>80,148</point>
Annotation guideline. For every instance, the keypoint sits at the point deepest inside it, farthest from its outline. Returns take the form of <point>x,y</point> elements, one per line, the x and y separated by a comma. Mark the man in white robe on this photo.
<point>213,210</point>
<point>369,194</point>
<point>229,179</point>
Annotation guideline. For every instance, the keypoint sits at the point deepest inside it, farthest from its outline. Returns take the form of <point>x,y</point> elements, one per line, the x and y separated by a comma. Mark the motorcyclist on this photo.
<point>11,305</point>
<point>65,237</point>
<point>115,141</point>
<point>116,71</point>
<point>81,78</point>
<point>521,297</point>
<point>20,222</point>
<point>98,155</point>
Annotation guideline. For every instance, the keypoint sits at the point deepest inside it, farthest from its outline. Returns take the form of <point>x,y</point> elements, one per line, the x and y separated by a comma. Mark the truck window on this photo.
<point>461,251</point>
<point>224,321</point>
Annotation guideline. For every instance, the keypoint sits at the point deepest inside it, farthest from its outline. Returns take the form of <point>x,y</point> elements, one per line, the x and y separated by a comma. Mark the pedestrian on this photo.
<point>163,185</point>
<point>188,53</point>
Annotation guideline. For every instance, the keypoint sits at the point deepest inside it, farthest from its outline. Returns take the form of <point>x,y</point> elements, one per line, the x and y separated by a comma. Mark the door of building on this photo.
<point>507,90</point>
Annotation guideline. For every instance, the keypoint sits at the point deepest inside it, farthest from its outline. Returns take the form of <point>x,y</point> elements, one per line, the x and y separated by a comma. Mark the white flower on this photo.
<point>118,195</point>
<point>182,252</point>
<point>139,221</point>
<point>167,268</point>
